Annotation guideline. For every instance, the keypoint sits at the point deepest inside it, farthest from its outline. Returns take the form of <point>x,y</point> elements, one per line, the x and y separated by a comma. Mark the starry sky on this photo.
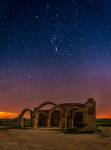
<point>55,50</point>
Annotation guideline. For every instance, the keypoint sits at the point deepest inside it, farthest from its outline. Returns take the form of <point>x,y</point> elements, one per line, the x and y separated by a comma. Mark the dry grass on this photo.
<point>53,140</point>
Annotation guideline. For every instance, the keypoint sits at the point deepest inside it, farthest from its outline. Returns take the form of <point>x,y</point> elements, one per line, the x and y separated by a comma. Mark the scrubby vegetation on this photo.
<point>103,122</point>
<point>12,124</point>
<point>69,130</point>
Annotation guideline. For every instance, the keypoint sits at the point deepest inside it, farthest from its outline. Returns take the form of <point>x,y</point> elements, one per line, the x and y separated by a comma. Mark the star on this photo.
<point>47,6</point>
<point>45,40</point>
<point>36,16</point>
<point>56,48</point>
<point>29,76</point>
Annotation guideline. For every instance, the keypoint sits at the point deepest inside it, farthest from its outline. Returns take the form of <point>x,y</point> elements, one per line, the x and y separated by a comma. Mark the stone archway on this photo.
<point>71,115</point>
<point>25,122</point>
<point>55,118</point>
<point>74,117</point>
<point>42,119</point>
<point>78,119</point>
<point>44,104</point>
<point>43,113</point>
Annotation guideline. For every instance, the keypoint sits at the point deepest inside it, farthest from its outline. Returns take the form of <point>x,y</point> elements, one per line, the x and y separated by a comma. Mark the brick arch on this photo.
<point>46,103</point>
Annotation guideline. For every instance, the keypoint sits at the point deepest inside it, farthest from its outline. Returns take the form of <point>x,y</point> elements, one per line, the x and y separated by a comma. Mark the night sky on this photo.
<point>55,50</point>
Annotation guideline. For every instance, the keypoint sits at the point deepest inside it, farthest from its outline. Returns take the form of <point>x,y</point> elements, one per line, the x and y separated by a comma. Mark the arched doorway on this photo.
<point>55,118</point>
<point>26,117</point>
<point>42,119</point>
<point>43,113</point>
<point>78,119</point>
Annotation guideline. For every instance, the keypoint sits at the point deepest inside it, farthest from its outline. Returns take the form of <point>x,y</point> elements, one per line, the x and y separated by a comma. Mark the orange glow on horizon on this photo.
<point>103,116</point>
<point>11,115</point>
<point>8,115</point>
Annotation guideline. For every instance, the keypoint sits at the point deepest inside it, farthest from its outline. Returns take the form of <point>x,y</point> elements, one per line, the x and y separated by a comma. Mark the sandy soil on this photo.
<point>53,140</point>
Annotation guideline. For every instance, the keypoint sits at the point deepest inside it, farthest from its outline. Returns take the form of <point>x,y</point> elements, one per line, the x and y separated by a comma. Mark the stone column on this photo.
<point>34,122</point>
<point>65,122</point>
<point>37,122</point>
<point>84,118</point>
<point>21,123</point>
<point>49,122</point>
<point>91,114</point>
<point>35,118</point>
<point>72,123</point>
<point>62,122</point>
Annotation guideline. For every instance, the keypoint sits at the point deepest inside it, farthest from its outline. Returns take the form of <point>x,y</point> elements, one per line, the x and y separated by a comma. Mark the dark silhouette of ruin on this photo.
<point>65,115</point>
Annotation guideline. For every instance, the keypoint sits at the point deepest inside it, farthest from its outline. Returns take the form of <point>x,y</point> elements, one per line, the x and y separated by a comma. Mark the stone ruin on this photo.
<point>64,115</point>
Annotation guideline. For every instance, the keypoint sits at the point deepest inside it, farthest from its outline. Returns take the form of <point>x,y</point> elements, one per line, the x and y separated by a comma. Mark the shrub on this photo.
<point>69,130</point>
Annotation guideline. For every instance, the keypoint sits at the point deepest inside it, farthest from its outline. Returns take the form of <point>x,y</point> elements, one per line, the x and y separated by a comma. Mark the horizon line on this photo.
<point>12,115</point>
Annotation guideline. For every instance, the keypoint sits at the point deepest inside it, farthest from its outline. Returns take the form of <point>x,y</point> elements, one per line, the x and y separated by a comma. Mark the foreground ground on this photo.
<point>53,140</point>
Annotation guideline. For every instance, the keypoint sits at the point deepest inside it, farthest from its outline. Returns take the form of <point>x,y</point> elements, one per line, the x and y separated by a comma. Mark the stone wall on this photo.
<point>65,115</point>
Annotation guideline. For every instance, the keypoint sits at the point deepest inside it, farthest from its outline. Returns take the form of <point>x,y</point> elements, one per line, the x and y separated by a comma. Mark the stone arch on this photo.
<point>22,121</point>
<point>26,110</point>
<point>70,116</point>
<point>78,119</point>
<point>55,118</point>
<point>46,103</point>
<point>37,112</point>
<point>42,119</point>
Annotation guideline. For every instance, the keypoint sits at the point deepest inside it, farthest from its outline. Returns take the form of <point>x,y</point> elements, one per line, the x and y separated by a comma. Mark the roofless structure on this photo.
<point>64,115</point>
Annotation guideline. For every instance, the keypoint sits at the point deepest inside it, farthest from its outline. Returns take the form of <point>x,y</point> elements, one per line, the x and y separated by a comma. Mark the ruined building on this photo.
<point>64,115</point>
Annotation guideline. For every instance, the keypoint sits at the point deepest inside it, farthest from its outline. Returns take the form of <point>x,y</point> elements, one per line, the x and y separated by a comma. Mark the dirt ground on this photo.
<point>53,140</point>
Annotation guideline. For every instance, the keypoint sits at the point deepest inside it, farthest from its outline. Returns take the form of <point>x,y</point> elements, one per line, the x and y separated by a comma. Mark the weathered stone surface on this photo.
<point>66,115</point>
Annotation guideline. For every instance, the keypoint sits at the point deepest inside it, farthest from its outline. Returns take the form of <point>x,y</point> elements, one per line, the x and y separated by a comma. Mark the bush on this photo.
<point>103,122</point>
<point>69,130</point>
<point>98,129</point>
